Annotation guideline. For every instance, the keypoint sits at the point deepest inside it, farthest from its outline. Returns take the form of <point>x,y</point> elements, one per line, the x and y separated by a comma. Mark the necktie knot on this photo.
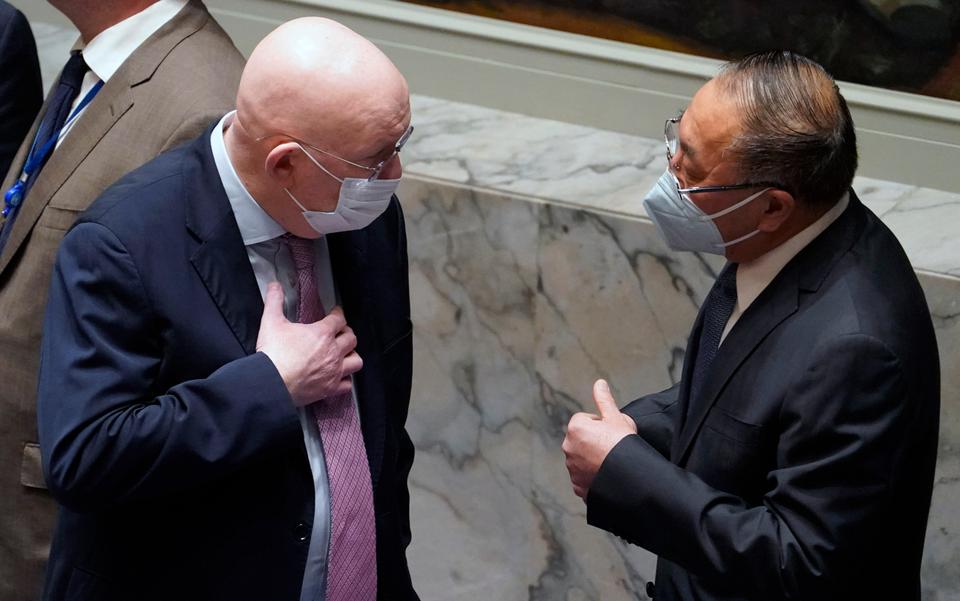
<point>301,250</point>
<point>727,282</point>
<point>74,70</point>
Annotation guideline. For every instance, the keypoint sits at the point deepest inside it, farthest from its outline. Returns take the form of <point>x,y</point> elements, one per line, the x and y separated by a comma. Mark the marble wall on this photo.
<point>518,306</point>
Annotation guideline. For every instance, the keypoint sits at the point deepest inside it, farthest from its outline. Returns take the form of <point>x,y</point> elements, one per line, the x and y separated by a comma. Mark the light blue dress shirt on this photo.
<point>271,261</point>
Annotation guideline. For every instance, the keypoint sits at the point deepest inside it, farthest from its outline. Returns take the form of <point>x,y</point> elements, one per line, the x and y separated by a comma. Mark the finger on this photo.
<point>352,363</point>
<point>335,320</point>
<point>606,404</point>
<point>347,341</point>
<point>345,386</point>
<point>273,304</point>
<point>576,420</point>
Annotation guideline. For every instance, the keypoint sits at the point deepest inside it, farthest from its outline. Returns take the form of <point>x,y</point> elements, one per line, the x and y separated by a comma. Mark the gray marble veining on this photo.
<point>610,172</point>
<point>497,519</point>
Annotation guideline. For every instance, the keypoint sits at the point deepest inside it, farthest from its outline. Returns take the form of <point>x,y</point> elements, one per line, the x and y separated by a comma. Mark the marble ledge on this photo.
<point>585,168</point>
<point>608,172</point>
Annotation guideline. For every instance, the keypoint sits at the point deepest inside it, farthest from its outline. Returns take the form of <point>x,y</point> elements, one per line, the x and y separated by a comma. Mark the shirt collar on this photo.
<point>110,48</point>
<point>254,223</point>
<point>753,277</point>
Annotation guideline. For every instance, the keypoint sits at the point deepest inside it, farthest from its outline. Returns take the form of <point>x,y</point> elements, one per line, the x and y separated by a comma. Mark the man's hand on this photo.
<point>315,360</point>
<point>590,438</point>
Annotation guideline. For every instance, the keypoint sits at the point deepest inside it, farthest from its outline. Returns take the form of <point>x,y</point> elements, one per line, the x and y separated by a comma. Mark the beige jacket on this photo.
<point>173,86</point>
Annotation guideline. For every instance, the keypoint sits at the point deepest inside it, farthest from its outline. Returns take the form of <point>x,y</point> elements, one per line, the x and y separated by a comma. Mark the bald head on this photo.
<point>317,104</point>
<point>317,80</point>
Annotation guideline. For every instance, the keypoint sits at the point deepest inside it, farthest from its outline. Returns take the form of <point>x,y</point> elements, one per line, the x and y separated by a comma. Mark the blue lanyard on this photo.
<point>36,157</point>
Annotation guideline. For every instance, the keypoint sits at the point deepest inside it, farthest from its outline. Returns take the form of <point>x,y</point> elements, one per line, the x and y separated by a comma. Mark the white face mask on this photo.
<point>360,203</point>
<point>684,225</point>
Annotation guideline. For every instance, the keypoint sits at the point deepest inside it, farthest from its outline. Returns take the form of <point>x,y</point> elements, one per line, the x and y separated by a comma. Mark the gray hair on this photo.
<point>797,129</point>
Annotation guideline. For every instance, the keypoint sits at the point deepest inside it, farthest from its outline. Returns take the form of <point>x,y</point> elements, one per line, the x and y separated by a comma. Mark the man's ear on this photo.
<point>780,206</point>
<point>278,164</point>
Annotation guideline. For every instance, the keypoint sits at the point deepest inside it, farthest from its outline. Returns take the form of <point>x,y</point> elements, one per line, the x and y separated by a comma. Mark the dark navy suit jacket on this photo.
<point>806,471</point>
<point>21,88</point>
<point>172,446</point>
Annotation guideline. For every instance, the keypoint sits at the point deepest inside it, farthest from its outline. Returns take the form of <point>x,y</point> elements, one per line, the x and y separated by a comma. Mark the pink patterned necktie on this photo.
<point>352,564</point>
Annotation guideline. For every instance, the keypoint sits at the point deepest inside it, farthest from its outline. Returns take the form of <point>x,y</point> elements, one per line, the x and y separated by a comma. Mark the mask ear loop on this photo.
<point>737,240</point>
<point>733,207</point>
<point>317,163</point>
<point>294,199</point>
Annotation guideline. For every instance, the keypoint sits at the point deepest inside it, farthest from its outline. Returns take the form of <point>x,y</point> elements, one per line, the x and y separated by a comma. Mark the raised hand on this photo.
<point>590,438</point>
<point>315,360</point>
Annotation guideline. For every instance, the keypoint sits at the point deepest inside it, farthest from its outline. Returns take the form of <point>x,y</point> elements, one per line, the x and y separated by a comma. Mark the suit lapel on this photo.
<point>221,259</point>
<point>776,303</point>
<point>103,113</point>
<point>352,274</point>
<point>110,104</point>
<point>804,274</point>
<point>686,378</point>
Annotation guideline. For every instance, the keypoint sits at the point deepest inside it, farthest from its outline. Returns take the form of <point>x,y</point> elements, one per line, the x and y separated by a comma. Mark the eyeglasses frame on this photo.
<point>374,170</point>
<point>670,126</point>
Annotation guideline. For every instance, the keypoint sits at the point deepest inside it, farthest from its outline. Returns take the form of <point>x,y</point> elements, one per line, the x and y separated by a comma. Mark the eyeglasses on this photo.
<point>671,136</point>
<point>374,170</point>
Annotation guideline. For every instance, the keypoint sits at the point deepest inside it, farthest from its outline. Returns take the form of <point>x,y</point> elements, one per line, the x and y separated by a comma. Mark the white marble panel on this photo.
<point>572,165</point>
<point>505,152</point>
<point>473,277</point>
<point>941,563</point>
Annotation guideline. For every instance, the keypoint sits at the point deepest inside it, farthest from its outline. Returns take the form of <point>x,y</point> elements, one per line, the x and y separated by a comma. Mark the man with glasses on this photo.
<point>795,458</point>
<point>209,422</point>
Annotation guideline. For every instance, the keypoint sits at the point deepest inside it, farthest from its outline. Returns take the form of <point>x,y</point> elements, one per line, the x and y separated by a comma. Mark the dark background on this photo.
<point>908,45</point>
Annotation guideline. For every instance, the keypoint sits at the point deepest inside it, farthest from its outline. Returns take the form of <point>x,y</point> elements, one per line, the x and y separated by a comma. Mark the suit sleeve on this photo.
<point>21,88</point>
<point>406,447</point>
<point>841,429</point>
<point>656,418</point>
<point>107,435</point>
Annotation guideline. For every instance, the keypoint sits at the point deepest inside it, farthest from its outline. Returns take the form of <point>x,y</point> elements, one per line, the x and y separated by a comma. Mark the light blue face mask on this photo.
<point>361,201</point>
<point>682,224</point>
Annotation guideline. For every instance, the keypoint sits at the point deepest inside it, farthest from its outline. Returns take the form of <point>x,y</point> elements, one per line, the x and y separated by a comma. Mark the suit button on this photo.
<point>302,532</point>
<point>651,589</point>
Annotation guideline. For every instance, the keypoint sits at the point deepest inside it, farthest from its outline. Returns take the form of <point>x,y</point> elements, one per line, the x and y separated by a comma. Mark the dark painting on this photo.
<point>908,45</point>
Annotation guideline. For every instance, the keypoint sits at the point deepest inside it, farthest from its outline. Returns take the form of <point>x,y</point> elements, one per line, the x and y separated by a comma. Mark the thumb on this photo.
<point>273,304</point>
<point>606,404</point>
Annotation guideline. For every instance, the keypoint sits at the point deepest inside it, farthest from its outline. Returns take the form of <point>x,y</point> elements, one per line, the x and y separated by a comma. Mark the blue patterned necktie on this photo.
<point>716,312</point>
<point>68,88</point>
<point>58,109</point>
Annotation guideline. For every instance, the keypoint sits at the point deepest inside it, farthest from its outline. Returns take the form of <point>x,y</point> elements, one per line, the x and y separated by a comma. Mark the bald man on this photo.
<point>226,372</point>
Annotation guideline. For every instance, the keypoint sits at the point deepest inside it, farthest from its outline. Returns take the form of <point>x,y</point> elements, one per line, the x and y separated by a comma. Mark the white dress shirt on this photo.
<point>271,261</point>
<point>753,277</point>
<point>110,48</point>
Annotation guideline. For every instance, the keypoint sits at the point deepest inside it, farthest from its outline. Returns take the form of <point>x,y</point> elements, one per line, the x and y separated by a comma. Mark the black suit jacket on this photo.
<point>172,446</point>
<point>807,472</point>
<point>21,88</point>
